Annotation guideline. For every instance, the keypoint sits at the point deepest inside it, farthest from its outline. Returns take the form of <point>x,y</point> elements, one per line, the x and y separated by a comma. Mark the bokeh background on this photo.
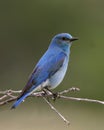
<point>26,28</point>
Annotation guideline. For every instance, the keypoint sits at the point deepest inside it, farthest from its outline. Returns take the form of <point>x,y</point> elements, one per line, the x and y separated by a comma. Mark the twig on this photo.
<point>7,101</point>
<point>73,89</point>
<point>3,97</point>
<point>11,95</point>
<point>53,108</point>
<point>10,91</point>
<point>82,99</point>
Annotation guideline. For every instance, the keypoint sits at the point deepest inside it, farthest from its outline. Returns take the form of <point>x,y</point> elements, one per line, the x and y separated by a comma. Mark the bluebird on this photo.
<point>51,68</point>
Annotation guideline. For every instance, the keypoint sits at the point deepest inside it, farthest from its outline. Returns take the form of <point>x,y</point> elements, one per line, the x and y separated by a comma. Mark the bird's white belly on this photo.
<point>57,78</point>
<point>54,80</point>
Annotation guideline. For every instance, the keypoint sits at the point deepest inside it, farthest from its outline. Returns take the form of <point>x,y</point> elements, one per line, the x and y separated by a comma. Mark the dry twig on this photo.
<point>53,108</point>
<point>11,95</point>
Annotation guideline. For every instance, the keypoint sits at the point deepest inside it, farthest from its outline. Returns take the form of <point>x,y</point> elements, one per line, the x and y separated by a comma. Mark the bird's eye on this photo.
<point>64,38</point>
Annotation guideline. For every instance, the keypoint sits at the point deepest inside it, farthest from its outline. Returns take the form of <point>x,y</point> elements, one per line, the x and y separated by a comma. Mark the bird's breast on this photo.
<point>57,78</point>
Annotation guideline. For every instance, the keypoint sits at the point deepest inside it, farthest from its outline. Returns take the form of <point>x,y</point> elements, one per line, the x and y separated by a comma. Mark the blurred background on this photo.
<point>26,29</point>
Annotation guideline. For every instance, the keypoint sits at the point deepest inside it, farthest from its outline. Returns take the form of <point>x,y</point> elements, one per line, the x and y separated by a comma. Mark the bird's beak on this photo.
<point>73,39</point>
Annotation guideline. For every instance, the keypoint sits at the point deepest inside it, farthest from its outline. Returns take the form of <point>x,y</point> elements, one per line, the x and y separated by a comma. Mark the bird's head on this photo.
<point>63,40</point>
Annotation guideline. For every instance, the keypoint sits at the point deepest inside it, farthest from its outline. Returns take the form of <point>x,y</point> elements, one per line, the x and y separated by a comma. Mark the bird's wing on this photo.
<point>43,71</point>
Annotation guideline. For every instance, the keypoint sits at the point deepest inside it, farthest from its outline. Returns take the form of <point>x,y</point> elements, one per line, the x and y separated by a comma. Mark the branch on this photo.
<point>53,108</point>
<point>82,99</point>
<point>11,95</point>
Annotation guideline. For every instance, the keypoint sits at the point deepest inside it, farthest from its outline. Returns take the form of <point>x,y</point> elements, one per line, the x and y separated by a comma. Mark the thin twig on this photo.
<point>82,99</point>
<point>8,100</point>
<point>11,95</point>
<point>53,108</point>
<point>72,89</point>
<point>10,91</point>
<point>3,97</point>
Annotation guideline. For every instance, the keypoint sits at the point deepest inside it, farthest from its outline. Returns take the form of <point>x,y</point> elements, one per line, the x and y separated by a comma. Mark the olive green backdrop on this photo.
<point>26,28</point>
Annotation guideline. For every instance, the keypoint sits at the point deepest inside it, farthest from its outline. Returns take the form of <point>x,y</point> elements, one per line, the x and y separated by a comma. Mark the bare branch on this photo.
<point>10,91</point>
<point>3,97</point>
<point>73,89</point>
<point>11,95</point>
<point>82,99</point>
<point>7,101</point>
<point>53,108</point>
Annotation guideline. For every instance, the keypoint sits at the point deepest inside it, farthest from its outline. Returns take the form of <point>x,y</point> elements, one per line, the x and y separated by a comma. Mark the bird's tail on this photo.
<point>21,99</point>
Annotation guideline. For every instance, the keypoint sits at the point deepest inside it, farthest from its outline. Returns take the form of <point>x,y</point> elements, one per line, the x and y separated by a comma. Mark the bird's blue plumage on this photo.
<point>51,68</point>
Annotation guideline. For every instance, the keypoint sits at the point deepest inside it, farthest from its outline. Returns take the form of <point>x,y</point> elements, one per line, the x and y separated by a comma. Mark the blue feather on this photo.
<point>21,99</point>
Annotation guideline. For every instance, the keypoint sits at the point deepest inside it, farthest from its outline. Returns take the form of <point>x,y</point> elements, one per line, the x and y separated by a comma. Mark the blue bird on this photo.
<point>51,68</point>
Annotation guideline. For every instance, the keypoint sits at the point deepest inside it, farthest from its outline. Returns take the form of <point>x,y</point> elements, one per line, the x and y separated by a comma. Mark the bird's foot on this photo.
<point>48,92</point>
<point>54,96</point>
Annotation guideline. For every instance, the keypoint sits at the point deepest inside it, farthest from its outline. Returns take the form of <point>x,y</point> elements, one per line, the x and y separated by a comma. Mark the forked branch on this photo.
<point>11,95</point>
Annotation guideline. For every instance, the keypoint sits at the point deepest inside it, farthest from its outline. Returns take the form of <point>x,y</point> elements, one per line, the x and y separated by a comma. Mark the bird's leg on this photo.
<point>46,93</point>
<point>54,95</point>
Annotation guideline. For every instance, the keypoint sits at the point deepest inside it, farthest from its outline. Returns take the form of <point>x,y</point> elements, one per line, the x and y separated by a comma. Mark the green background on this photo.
<point>26,28</point>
